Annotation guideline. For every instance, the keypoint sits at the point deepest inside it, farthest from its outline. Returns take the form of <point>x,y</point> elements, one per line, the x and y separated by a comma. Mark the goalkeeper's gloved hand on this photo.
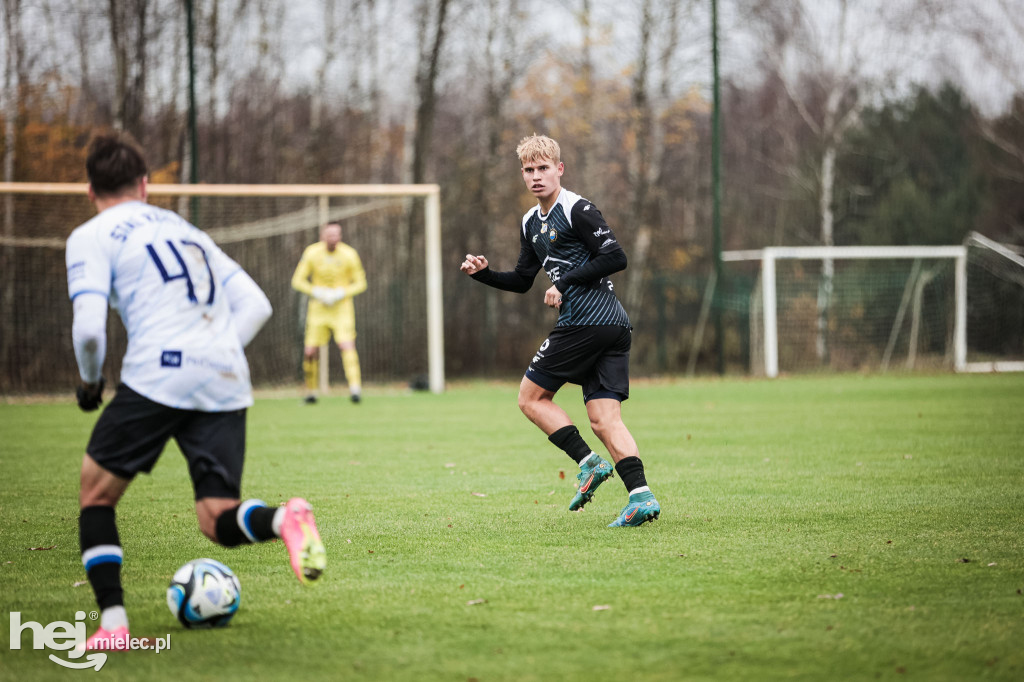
<point>338,294</point>
<point>323,295</point>
<point>90,396</point>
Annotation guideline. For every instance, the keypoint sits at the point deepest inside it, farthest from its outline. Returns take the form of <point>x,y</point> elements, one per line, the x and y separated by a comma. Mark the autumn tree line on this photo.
<point>880,122</point>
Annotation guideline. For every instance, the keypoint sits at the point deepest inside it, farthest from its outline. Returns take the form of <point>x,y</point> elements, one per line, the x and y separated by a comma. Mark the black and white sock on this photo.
<point>102,557</point>
<point>251,521</point>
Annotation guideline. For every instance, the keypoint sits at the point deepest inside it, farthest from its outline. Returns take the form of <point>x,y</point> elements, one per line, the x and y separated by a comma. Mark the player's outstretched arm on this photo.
<point>358,283</point>
<point>250,307</point>
<point>89,337</point>
<point>301,277</point>
<point>519,280</point>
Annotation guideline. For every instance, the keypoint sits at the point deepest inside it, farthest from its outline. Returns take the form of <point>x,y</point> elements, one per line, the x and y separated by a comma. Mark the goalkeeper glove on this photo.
<point>90,396</point>
<point>338,294</point>
<point>322,294</point>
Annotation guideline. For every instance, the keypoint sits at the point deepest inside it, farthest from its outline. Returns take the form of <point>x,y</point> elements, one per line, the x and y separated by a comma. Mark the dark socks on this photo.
<point>251,521</point>
<point>101,554</point>
<point>631,471</point>
<point>569,440</point>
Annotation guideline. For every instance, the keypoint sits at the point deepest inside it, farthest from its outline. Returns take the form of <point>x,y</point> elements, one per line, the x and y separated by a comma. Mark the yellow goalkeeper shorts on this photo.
<point>320,324</point>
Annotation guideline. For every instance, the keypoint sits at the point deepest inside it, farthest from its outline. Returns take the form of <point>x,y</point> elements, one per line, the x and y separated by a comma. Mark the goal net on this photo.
<point>886,308</point>
<point>995,306</point>
<point>394,228</point>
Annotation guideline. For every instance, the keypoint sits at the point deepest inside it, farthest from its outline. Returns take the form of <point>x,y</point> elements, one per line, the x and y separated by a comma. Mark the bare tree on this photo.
<point>504,41</point>
<point>996,29</point>
<point>432,33</point>
<point>830,62</point>
<point>128,26</point>
<point>14,80</point>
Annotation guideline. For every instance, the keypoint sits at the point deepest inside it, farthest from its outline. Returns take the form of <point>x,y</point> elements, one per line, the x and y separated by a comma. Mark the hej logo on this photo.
<point>59,636</point>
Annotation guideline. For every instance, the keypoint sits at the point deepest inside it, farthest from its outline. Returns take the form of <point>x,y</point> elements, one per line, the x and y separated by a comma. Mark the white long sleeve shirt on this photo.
<point>188,309</point>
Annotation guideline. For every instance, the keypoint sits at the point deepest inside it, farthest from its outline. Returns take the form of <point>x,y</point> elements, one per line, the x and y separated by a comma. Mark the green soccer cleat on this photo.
<point>642,508</point>
<point>590,477</point>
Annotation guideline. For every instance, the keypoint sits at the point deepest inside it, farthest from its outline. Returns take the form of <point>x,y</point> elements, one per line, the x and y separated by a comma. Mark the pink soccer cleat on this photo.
<point>298,530</point>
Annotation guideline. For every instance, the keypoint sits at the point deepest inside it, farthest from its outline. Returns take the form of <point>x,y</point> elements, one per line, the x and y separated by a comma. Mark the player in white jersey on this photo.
<point>189,311</point>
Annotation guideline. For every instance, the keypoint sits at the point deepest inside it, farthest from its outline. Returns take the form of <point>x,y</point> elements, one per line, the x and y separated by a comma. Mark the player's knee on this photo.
<point>604,425</point>
<point>526,404</point>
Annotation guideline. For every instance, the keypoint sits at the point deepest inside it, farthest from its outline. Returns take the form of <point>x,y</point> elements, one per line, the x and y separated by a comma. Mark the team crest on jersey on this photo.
<point>553,235</point>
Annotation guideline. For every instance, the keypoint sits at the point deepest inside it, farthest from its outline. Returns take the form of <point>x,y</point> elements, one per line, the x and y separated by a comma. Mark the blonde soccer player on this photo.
<point>331,274</point>
<point>566,236</point>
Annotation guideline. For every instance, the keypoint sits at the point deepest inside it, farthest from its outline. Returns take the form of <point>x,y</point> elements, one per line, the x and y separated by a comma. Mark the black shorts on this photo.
<point>595,357</point>
<point>131,434</point>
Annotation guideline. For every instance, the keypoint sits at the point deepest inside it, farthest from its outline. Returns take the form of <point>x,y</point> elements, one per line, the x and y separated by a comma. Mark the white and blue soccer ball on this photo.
<point>204,593</point>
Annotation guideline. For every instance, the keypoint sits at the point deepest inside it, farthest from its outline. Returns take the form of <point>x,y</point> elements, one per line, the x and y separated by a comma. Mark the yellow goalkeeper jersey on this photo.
<point>319,267</point>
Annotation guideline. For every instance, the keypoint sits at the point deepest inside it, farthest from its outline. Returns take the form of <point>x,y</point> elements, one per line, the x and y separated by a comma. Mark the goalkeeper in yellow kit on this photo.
<point>331,274</point>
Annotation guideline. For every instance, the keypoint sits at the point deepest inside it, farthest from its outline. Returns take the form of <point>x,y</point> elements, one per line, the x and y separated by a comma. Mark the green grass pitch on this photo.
<point>812,528</point>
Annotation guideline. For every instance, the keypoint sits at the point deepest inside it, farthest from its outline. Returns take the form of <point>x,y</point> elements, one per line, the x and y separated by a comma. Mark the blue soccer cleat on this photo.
<point>642,508</point>
<point>590,477</point>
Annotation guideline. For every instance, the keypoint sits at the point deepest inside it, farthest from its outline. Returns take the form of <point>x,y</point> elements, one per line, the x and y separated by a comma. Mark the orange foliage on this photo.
<point>50,146</point>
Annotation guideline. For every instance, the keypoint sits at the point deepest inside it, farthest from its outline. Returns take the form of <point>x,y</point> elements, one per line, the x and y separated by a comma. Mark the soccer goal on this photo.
<point>396,230</point>
<point>882,308</point>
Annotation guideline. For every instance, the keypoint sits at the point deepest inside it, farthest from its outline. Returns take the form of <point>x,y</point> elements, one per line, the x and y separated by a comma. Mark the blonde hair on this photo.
<point>536,147</point>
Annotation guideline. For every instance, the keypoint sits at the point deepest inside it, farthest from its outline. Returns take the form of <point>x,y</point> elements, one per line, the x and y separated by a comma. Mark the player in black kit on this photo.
<point>568,237</point>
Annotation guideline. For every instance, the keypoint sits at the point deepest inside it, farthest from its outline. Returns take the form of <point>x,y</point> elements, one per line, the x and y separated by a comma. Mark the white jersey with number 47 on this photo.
<point>166,279</point>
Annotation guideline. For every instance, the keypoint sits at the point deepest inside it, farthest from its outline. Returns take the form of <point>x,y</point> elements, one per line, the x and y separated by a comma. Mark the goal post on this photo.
<point>396,229</point>
<point>772,309</point>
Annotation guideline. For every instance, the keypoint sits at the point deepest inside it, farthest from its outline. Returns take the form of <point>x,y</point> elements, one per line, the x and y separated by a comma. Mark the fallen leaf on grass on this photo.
<point>602,607</point>
<point>79,583</point>
<point>449,465</point>
<point>965,560</point>
<point>561,473</point>
<point>479,494</point>
<point>551,493</point>
<point>832,556</point>
<point>837,595</point>
<point>992,564</point>
<point>42,549</point>
<point>476,602</point>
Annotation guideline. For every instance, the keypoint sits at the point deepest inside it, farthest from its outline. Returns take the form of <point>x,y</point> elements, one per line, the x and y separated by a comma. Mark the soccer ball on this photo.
<point>204,593</point>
